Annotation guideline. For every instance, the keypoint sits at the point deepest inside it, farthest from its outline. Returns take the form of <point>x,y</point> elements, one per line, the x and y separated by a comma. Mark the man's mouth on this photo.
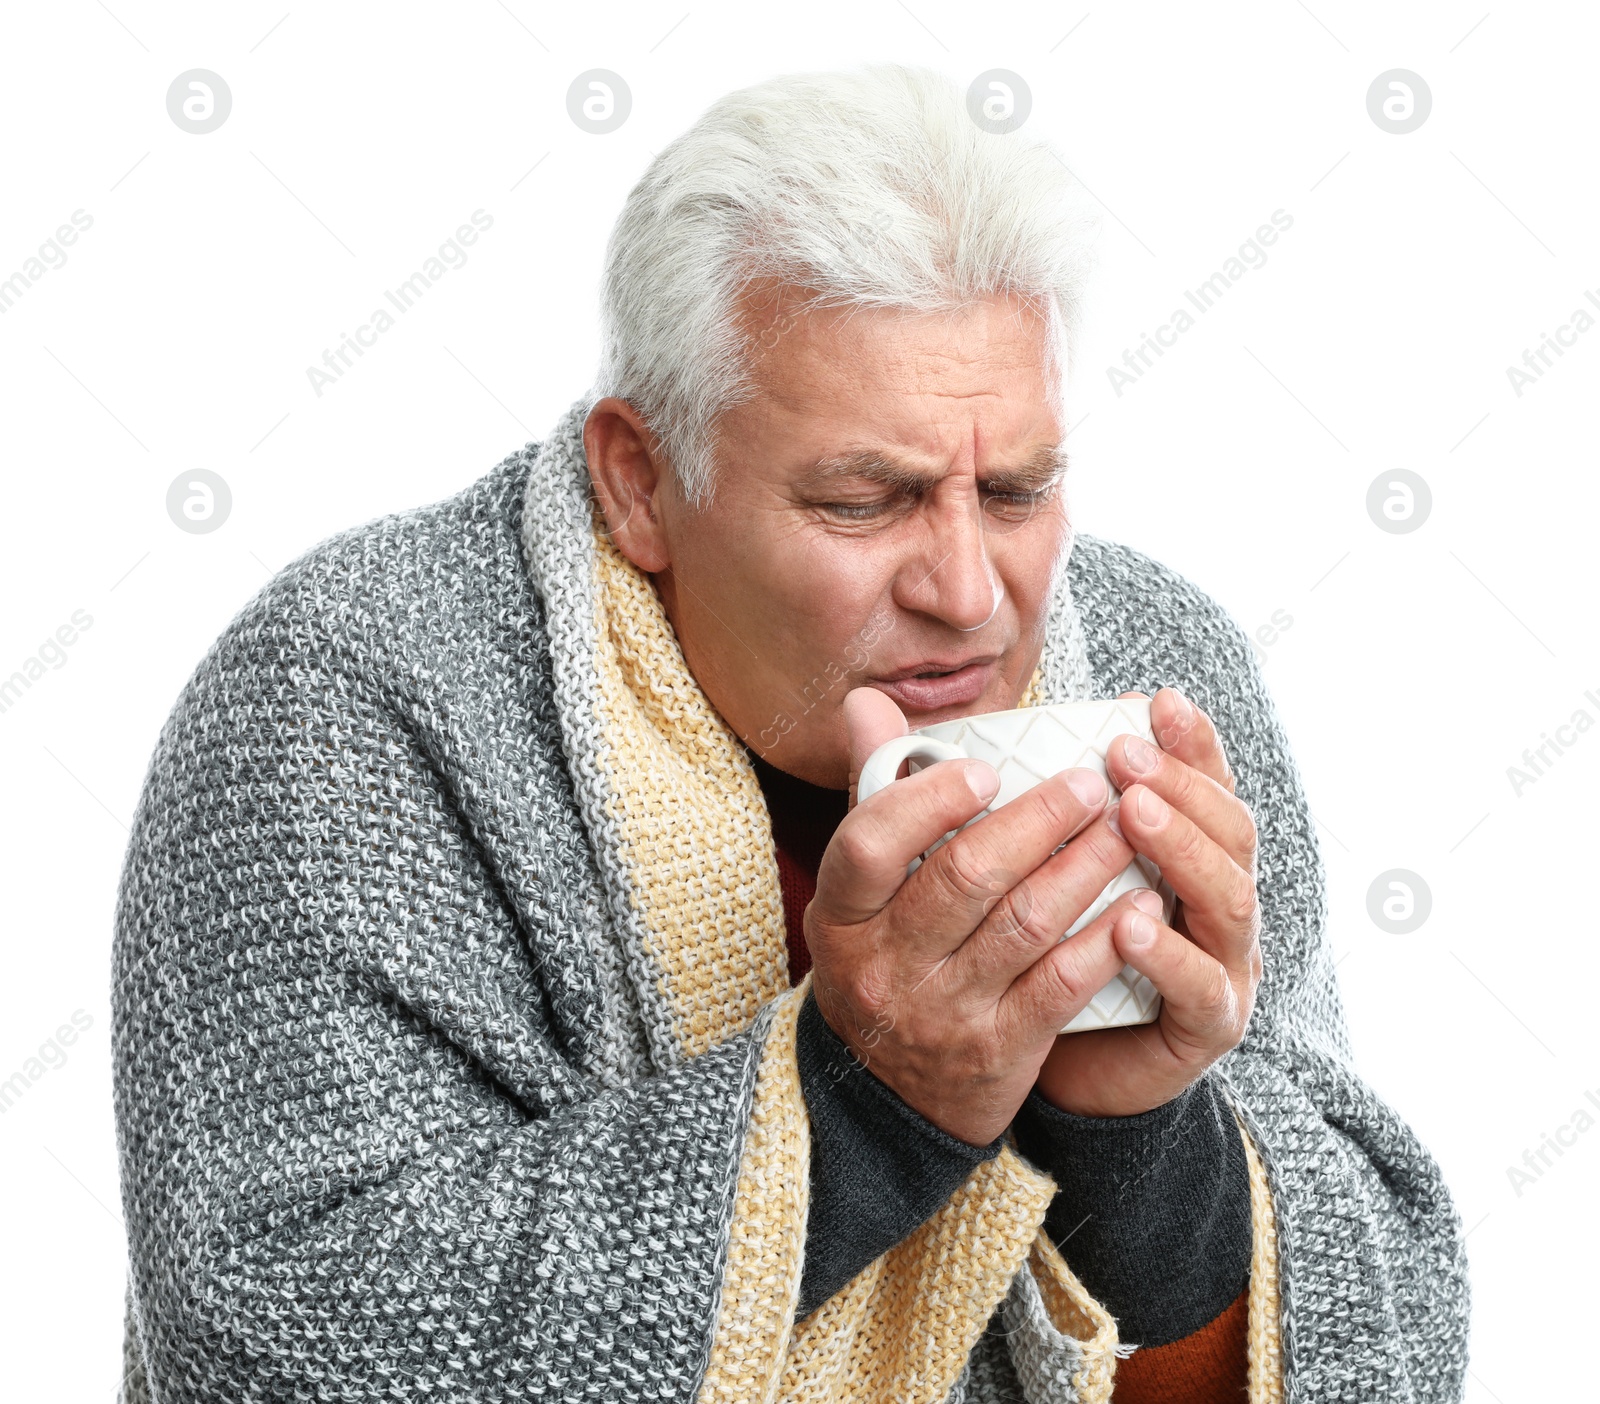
<point>933,685</point>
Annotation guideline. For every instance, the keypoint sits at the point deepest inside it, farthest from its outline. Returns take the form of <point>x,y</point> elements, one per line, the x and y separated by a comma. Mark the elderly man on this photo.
<point>512,1004</point>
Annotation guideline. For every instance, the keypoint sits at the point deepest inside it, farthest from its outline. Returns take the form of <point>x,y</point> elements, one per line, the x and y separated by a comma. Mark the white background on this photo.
<point>1416,669</point>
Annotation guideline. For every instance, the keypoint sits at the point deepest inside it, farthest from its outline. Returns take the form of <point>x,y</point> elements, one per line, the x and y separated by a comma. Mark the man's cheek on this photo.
<point>782,725</point>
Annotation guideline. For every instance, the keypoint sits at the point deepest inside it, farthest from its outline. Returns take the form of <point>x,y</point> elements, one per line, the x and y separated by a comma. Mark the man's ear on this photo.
<point>626,471</point>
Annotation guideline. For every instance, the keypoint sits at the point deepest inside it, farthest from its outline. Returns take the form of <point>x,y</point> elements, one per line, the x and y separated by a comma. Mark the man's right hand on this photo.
<point>951,985</point>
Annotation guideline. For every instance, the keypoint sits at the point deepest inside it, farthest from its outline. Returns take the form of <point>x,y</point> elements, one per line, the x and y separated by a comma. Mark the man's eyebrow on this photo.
<point>870,466</point>
<point>1040,468</point>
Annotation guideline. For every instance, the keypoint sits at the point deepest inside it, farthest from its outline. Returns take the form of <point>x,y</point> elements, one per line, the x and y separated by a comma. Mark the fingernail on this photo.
<point>1147,901</point>
<point>983,778</point>
<point>1141,757</point>
<point>1152,808</point>
<point>1183,709</point>
<point>1141,930</point>
<point>1088,786</point>
<point>1112,821</point>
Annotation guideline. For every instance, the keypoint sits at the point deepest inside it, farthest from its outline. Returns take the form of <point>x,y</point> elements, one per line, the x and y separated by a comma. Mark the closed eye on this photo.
<point>1001,499</point>
<point>855,511</point>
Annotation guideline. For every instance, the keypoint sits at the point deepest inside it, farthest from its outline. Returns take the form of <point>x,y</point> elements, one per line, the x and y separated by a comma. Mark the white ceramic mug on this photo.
<point>1025,746</point>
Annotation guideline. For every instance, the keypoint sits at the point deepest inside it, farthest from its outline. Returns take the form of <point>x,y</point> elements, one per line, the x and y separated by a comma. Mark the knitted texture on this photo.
<point>762,1274</point>
<point>453,1034</point>
<point>879,1168</point>
<point>1156,1207</point>
<point>1265,1355</point>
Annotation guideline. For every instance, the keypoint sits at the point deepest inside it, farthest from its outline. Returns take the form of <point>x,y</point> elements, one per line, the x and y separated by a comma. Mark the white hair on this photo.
<point>873,188</point>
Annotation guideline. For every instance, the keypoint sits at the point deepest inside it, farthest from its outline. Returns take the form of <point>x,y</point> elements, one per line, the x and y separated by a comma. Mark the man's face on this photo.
<point>889,502</point>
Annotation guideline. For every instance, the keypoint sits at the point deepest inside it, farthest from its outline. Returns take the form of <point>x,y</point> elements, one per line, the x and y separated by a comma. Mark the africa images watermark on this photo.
<point>857,654</point>
<point>1252,254</point>
<point>52,1054</point>
<point>1267,635</point>
<point>1537,760</point>
<point>451,254</point>
<point>52,254</point>
<point>1537,1161</point>
<point>52,653</point>
<point>1536,359</point>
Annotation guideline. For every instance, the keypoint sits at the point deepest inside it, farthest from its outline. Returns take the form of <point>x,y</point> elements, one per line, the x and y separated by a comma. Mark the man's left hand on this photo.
<point>1178,808</point>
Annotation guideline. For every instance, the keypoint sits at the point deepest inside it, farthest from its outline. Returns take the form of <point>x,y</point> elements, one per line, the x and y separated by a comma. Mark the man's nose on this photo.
<point>952,577</point>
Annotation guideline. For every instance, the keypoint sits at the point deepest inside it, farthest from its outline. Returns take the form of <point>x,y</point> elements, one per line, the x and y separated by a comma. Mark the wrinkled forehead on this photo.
<point>805,356</point>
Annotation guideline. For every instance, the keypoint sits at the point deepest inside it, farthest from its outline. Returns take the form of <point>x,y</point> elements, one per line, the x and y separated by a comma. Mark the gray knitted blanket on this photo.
<point>454,1039</point>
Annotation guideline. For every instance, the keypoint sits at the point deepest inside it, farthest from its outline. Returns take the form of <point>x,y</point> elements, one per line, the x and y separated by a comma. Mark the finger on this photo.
<point>1005,860</point>
<point>865,863</point>
<point>1203,1013</point>
<point>1131,760</point>
<point>1183,730</point>
<point>870,719</point>
<point>1219,898</point>
<point>1044,998</point>
<point>1035,911</point>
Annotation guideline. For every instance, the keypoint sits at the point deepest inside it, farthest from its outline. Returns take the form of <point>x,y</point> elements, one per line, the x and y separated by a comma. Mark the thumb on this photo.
<point>870,719</point>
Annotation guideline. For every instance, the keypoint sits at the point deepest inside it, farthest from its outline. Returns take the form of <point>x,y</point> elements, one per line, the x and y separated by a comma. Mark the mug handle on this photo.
<point>883,764</point>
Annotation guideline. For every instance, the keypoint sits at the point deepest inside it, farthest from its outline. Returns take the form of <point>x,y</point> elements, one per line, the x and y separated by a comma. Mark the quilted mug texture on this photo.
<point>1026,746</point>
